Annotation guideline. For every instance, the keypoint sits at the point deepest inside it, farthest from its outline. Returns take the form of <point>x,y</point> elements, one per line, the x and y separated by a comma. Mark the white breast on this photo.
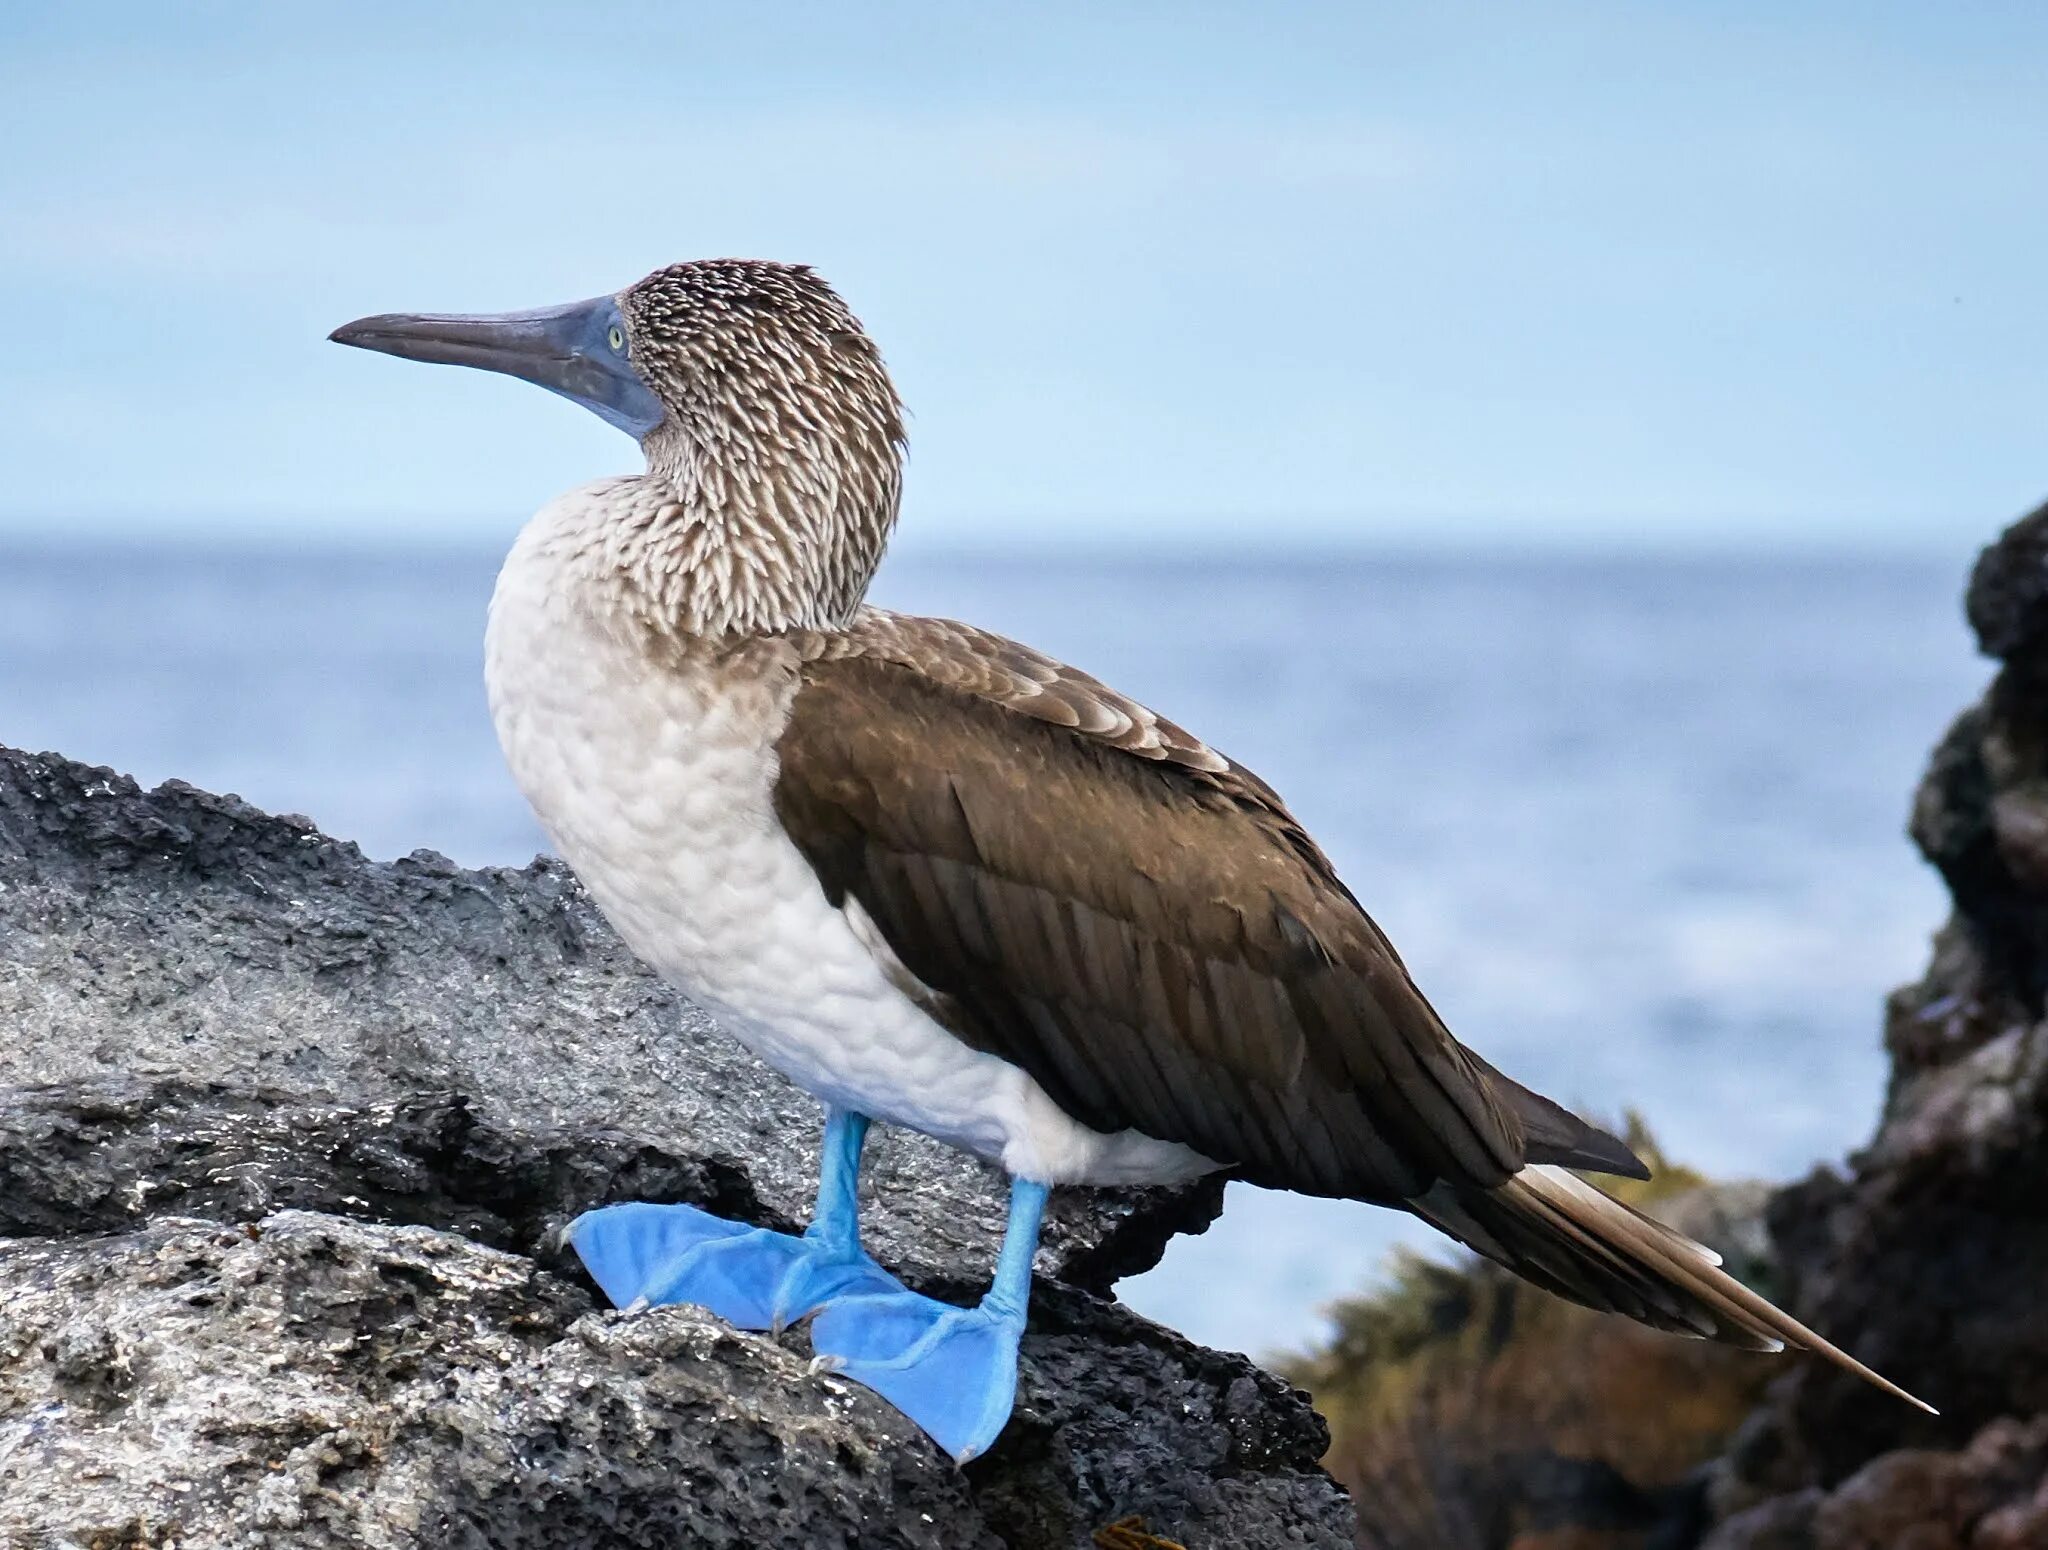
<point>654,779</point>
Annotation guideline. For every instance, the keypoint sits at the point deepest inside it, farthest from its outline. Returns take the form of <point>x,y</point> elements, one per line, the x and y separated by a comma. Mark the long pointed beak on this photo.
<point>579,351</point>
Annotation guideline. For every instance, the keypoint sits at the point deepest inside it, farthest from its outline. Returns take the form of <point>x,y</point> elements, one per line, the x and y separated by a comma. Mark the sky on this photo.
<point>1516,275</point>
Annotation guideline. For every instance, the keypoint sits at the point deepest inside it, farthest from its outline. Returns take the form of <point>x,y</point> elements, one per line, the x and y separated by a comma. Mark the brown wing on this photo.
<point>1086,890</point>
<point>1093,894</point>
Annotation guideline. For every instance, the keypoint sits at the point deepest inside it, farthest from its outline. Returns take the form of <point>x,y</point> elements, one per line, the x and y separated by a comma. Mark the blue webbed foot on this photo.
<point>951,1370</point>
<point>749,1276</point>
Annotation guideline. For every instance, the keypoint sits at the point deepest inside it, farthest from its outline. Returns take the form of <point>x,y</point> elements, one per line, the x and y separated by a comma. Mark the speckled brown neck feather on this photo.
<point>782,452</point>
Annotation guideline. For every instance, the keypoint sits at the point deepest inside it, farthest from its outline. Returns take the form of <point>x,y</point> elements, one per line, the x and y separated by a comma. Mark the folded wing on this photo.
<point>1084,889</point>
<point>1091,893</point>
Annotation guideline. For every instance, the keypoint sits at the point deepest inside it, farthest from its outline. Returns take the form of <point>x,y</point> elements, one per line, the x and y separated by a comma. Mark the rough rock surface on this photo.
<point>286,1138</point>
<point>1928,1255</point>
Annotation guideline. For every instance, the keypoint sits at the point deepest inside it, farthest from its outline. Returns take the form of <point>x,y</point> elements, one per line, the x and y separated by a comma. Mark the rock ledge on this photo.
<point>286,1141</point>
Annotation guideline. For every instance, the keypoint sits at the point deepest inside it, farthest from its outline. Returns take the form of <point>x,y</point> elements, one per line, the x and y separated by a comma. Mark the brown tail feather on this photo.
<point>1553,1228</point>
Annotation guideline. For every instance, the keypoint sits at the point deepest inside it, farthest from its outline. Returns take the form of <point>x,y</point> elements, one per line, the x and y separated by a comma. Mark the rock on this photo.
<point>1781,1523</point>
<point>316,1381</point>
<point>1928,1254</point>
<point>286,1139</point>
<point>2007,602</point>
<point>313,1380</point>
<point>1987,1496</point>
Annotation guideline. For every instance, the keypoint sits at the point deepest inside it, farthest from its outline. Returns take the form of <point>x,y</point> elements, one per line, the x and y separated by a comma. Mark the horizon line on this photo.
<point>1213,535</point>
<point>1096,549</point>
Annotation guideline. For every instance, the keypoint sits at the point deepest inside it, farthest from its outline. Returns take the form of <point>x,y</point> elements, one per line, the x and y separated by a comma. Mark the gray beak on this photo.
<point>580,351</point>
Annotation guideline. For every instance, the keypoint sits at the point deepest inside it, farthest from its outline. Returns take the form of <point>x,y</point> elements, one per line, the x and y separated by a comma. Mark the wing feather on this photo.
<point>1083,888</point>
<point>1094,894</point>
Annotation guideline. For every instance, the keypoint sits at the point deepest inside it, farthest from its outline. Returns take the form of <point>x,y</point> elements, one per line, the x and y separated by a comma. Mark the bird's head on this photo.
<point>755,394</point>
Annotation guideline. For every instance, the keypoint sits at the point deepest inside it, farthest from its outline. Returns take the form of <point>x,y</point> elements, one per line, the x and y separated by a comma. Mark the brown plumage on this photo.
<point>781,453</point>
<point>1088,891</point>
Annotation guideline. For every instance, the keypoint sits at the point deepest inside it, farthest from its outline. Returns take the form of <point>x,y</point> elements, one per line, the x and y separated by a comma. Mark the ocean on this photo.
<point>1635,824</point>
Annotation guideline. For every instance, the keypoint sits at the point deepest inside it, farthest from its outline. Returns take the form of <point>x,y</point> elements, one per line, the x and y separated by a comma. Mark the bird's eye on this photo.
<point>616,339</point>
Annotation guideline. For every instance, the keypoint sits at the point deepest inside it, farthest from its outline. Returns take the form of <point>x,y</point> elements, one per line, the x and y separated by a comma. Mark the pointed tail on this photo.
<point>1554,1229</point>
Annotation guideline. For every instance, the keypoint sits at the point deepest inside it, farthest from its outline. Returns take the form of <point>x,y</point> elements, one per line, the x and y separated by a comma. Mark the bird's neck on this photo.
<point>709,551</point>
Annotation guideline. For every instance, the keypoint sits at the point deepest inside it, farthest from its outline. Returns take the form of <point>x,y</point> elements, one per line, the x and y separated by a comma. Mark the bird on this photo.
<point>941,880</point>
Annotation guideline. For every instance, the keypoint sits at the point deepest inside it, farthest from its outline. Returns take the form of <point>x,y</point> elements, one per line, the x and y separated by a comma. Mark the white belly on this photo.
<point>654,781</point>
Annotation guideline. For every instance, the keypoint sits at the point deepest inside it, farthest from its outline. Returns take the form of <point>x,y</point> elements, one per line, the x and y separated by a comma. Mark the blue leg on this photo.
<point>750,1277</point>
<point>951,1370</point>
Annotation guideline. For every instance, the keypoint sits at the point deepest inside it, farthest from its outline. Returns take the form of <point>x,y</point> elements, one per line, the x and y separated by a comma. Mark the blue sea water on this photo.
<point>1635,824</point>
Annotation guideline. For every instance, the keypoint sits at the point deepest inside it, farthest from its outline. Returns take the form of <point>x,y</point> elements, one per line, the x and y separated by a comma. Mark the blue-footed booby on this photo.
<point>940,880</point>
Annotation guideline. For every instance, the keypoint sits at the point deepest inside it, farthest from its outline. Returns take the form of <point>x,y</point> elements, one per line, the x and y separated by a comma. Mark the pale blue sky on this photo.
<point>1473,273</point>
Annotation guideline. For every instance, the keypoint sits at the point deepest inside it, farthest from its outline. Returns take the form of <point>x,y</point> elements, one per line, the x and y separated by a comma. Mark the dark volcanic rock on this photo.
<point>313,1380</point>
<point>1988,1496</point>
<point>2007,603</point>
<point>316,1381</point>
<point>1928,1257</point>
<point>286,1138</point>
